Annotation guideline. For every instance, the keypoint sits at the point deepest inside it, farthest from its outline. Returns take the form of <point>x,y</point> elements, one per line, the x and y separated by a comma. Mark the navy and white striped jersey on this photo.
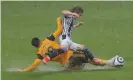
<point>68,25</point>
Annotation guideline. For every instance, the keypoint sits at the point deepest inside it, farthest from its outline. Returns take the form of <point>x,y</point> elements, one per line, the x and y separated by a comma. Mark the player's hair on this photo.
<point>35,42</point>
<point>77,9</point>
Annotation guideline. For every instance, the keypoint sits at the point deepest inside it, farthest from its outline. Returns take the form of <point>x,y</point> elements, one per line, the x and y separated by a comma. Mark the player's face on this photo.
<point>80,14</point>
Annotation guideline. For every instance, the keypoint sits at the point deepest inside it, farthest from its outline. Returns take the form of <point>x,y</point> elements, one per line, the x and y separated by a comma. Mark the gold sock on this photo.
<point>103,61</point>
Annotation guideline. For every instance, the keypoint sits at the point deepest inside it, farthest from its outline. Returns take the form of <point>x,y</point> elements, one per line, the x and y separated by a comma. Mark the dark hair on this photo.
<point>77,9</point>
<point>35,42</point>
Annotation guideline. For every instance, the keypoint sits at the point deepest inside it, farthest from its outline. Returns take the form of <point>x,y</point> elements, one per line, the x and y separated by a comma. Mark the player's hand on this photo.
<point>79,24</point>
<point>20,70</point>
<point>76,15</point>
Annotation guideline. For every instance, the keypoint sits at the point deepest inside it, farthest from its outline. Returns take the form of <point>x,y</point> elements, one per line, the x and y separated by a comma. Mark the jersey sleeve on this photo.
<point>33,66</point>
<point>59,27</point>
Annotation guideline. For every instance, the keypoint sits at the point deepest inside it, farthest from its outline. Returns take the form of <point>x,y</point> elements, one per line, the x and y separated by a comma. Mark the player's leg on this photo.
<point>84,49</point>
<point>90,56</point>
<point>101,62</point>
<point>64,43</point>
<point>88,53</point>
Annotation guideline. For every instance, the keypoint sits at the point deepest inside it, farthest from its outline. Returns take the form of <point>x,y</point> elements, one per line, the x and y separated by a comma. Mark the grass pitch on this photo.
<point>107,32</point>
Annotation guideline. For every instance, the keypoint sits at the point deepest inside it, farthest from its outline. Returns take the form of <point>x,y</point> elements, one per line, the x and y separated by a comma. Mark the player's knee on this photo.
<point>64,49</point>
<point>85,49</point>
<point>88,53</point>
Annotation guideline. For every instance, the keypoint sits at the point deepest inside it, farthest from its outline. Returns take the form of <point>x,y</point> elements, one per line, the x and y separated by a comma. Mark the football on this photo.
<point>118,62</point>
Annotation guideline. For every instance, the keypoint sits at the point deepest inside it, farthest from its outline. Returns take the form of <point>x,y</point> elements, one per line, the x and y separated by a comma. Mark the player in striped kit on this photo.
<point>68,19</point>
<point>68,24</point>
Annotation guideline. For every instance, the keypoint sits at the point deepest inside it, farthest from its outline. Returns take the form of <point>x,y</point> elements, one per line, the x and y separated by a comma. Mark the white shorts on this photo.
<point>69,44</point>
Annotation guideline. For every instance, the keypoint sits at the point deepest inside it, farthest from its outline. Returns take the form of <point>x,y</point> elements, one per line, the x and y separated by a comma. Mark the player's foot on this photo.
<point>111,61</point>
<point>46,59</point>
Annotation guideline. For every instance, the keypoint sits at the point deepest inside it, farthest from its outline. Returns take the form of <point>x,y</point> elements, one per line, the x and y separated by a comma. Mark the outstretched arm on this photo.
<point>32,66</point>
<point>78,24</point>
<point>59,30</point>
<point>67,12</point>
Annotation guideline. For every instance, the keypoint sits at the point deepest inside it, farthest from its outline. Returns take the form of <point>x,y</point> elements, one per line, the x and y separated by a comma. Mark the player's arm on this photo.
<point>59,24</point>
<point>59,27</point>
<point>67,12</point>
<point>34,65</point>
<point>78,24</point>
<point>58,31</point>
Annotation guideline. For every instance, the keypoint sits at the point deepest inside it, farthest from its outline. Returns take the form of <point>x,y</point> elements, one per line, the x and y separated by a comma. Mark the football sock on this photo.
<point>103,61</point>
